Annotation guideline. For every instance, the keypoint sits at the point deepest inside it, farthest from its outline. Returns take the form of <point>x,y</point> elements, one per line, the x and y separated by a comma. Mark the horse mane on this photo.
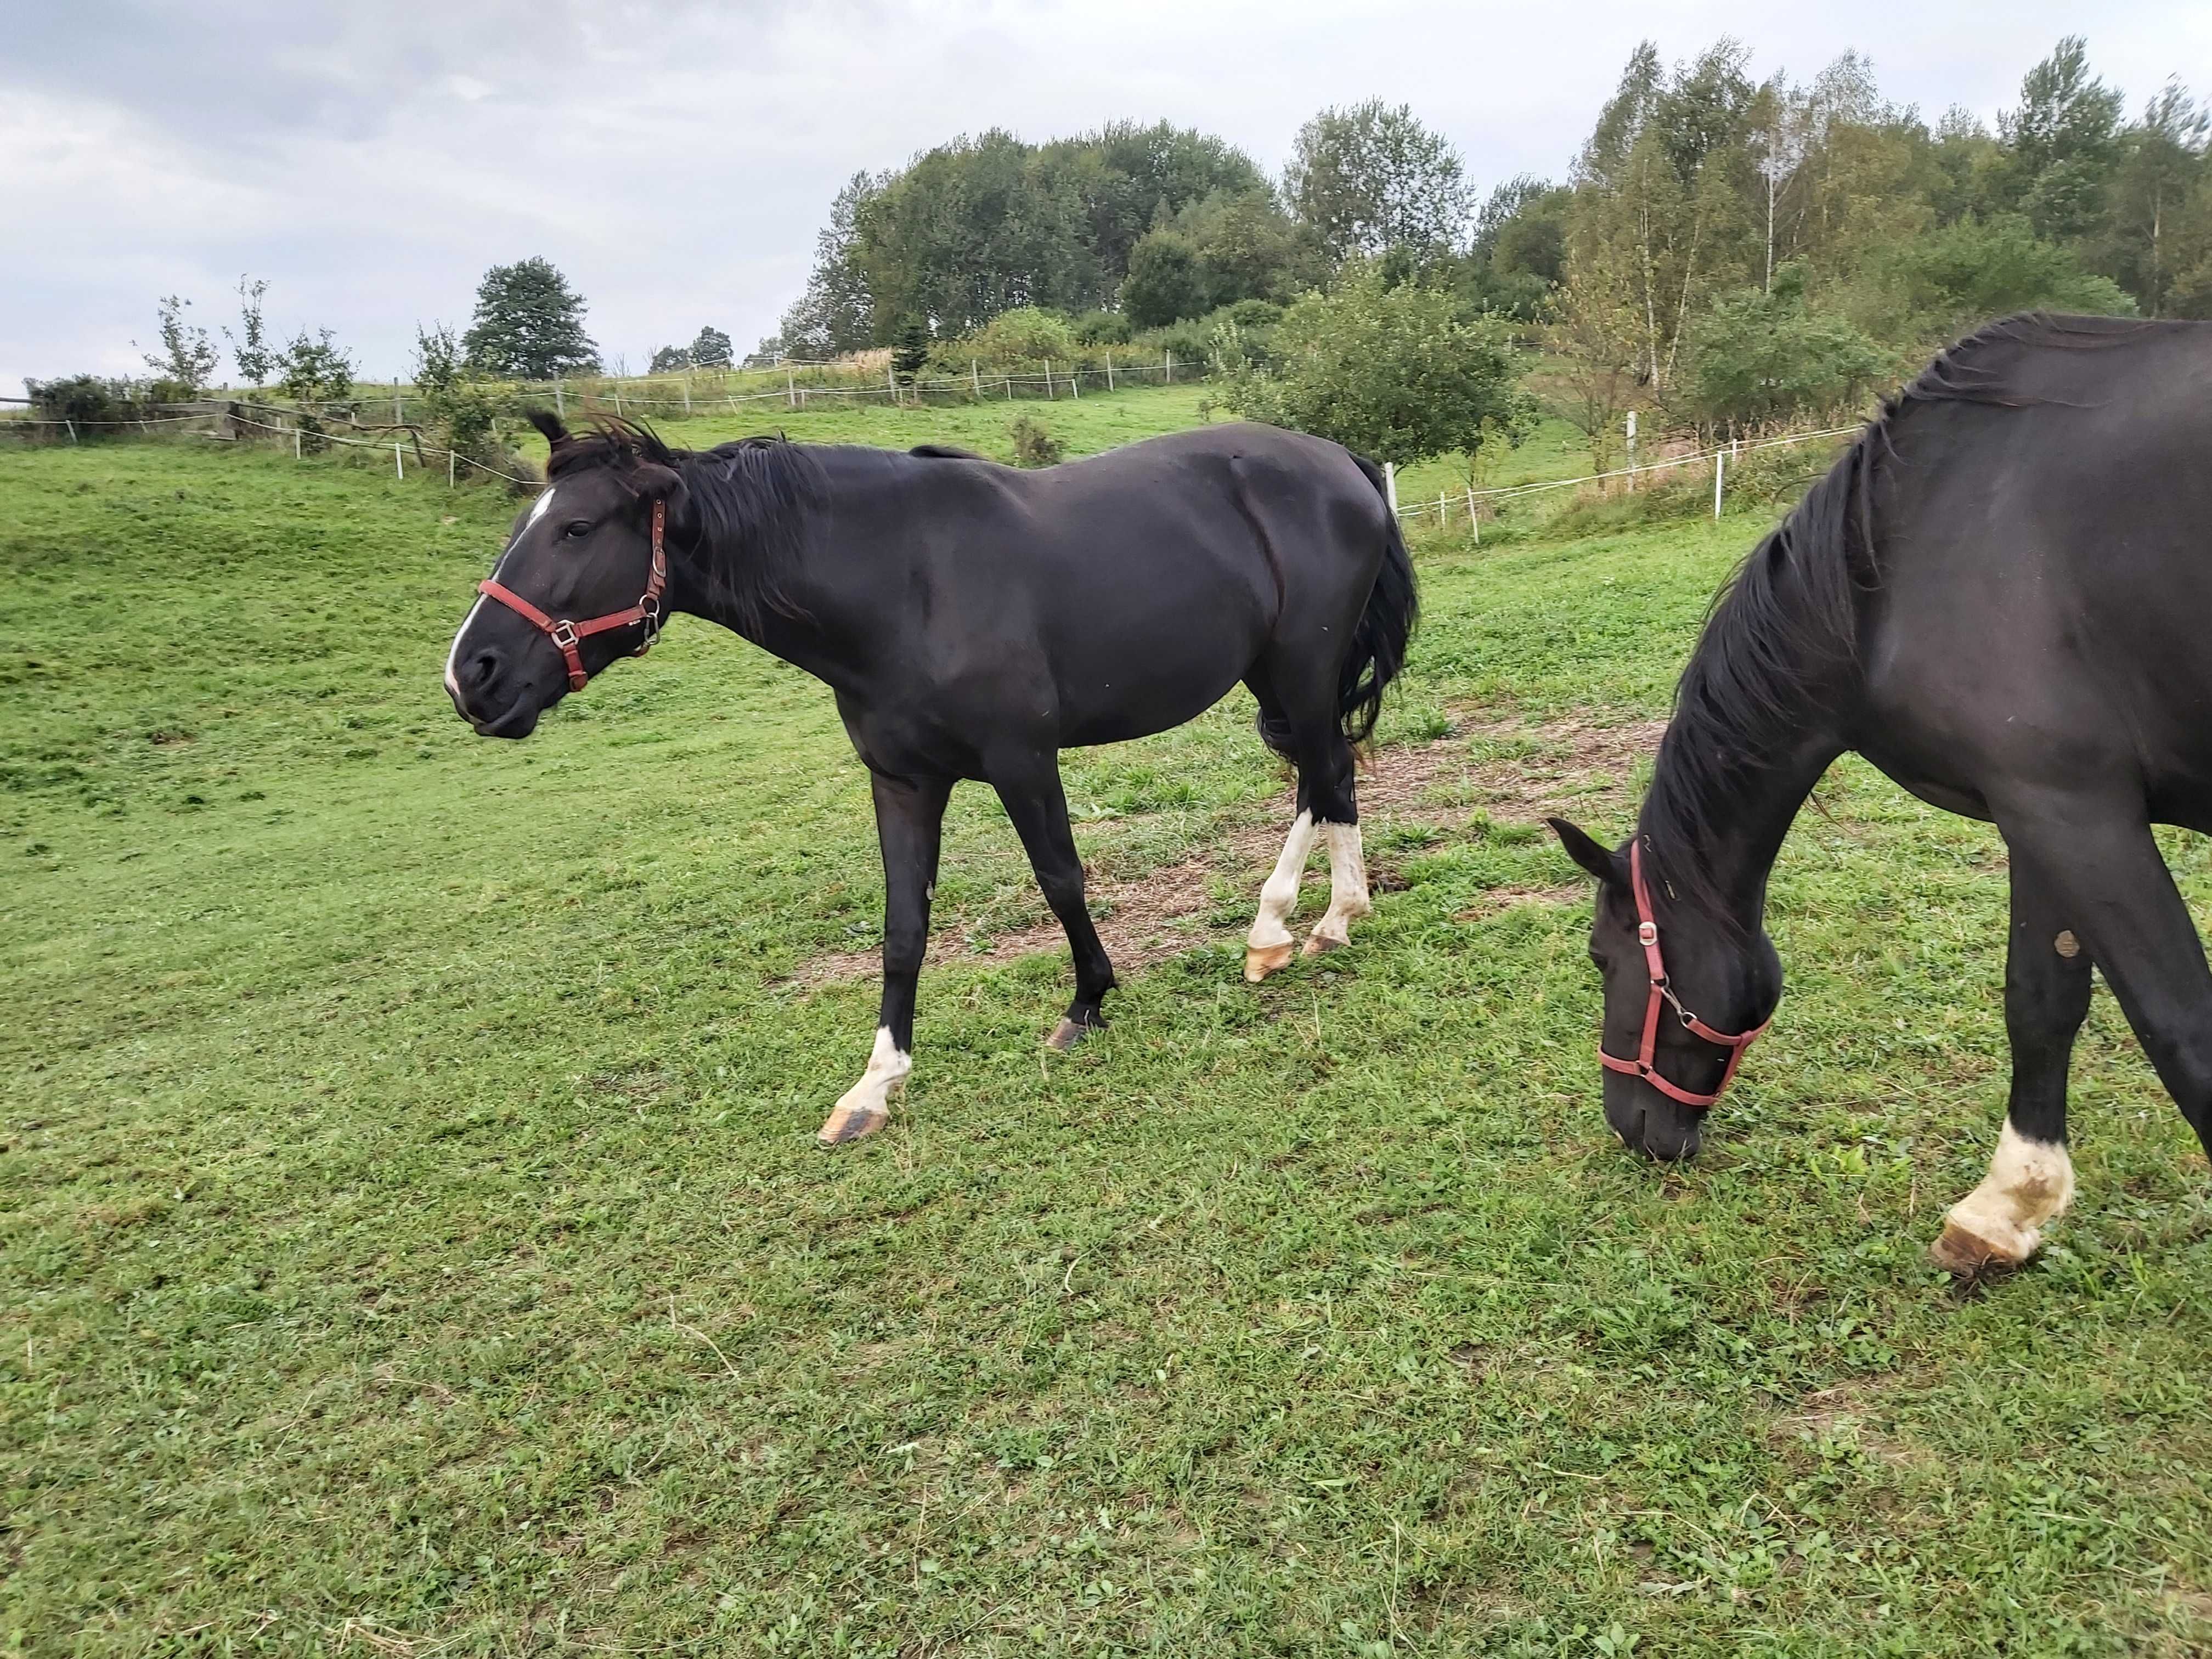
<point>1781,636</point>
<point>748,502</point>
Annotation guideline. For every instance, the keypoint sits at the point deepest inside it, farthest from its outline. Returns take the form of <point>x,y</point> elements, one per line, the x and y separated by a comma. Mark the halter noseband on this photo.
<point>1647,933</point>
<point>569,635</point>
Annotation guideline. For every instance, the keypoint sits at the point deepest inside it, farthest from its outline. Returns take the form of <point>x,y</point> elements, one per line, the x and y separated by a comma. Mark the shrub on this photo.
<point>1761,357</point>
<point>1391,372</point>
<point>1191,340</point>
<point>93,402</point>
<point>1034,445</point>
<point>1101,328</point>
<point>1011,340</point>
<point>462,410</point>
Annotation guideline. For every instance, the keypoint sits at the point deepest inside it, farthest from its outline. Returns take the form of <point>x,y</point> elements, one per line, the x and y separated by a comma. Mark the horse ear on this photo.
<point>649,481</point>
<point>549,425</point>
<point>1592,854</point>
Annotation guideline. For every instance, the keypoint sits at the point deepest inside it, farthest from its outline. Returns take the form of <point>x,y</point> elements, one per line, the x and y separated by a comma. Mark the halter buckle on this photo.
<point>563,633</point>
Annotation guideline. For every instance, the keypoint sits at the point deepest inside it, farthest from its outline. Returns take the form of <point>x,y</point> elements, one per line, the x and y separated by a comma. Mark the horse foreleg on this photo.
<point>1269,945</point>
<point>2031,1178</point>
<point>909,822</point>
<point>1030,788</point>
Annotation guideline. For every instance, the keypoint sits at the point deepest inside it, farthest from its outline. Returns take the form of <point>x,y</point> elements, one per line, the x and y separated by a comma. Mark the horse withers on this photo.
<point>2001,596</point>
<point>973,622</point>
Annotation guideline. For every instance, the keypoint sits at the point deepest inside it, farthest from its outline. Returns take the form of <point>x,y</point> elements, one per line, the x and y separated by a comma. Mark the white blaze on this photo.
<point>454,654</point>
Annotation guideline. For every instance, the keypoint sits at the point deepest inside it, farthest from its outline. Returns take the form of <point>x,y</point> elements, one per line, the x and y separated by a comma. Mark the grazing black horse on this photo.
<point>974,621</point>
<point>2002,597</point>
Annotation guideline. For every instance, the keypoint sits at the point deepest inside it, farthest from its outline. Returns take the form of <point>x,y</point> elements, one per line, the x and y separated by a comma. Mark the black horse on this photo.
<point>974,621</point>
<point>2001,596</point>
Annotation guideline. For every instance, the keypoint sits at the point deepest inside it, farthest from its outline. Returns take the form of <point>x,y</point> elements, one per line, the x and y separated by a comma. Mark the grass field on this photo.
<point>415,1241</point>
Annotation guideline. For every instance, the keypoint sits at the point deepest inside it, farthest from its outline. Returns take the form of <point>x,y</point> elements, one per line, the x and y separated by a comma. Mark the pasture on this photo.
<point>416,1242</point>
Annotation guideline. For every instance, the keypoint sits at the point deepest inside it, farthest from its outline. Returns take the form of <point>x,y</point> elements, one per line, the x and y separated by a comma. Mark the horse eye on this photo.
<point>579,530</point>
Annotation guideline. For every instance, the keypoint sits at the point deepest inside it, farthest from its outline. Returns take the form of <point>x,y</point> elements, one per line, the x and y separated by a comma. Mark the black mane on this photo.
<point>745,515</point>
<point>1781,637</point>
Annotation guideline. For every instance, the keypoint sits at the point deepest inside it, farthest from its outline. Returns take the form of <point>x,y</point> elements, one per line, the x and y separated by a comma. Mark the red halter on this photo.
<point>568,635</point>
<point>1647,933</point>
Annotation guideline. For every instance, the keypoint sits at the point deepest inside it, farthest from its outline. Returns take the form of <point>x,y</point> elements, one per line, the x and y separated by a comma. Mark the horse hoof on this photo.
<point>850,1124</point>
<point>1966,1254</point>
<point>1066,1035</point>
<point>1319,943</point>
<point>1261,960</point>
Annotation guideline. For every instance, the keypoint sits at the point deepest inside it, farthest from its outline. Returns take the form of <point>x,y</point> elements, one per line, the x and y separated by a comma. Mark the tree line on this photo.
<point>1722,249</point>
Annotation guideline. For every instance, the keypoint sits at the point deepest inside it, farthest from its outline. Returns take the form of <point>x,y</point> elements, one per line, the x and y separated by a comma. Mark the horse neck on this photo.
<point>1754,807</point>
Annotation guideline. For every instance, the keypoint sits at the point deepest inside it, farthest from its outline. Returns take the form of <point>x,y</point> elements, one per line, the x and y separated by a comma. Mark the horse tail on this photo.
<point>1379,643</point>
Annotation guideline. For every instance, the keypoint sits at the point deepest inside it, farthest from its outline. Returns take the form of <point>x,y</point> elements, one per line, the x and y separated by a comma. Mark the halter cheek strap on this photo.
<point>569,635</point>
<point>1647,934</point>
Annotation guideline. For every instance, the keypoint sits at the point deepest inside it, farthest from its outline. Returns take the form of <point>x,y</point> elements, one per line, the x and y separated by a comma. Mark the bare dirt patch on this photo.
<point>1501,770</point>
<point>1846,1413</point>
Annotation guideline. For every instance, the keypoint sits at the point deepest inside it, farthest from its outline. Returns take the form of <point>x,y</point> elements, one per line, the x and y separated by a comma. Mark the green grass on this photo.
<point>415,1242</point>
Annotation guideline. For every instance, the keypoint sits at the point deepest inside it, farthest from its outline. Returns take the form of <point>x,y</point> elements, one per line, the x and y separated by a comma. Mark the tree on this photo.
<point>909,350</point>
<point>529,324</point>
<point>187,357</point>
<point>1371,180</point>
<point>711,350</point>
<point>462,410</point>
<point>669,360</point>
<point>1391,372</point>
<point>250,345</point>
<point>2062,140</point>
<point>1165,282</point>
<point>836,314</point>
<point>2162,169</point>
<point>314,370</point>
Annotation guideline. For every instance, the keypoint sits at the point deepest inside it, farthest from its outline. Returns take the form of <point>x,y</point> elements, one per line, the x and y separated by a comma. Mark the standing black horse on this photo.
<point>974,621</point>
<point>2002,597</point>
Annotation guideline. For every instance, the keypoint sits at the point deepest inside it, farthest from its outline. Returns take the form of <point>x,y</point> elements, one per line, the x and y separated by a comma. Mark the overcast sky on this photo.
<point>676,159</point>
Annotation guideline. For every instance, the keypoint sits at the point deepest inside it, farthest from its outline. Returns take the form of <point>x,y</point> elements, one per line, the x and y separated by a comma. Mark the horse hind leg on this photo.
<point>1327,811</point>
<point>1269,946</point>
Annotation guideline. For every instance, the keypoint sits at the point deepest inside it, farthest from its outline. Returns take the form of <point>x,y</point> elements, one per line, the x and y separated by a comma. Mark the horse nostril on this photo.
<point>483,669</point>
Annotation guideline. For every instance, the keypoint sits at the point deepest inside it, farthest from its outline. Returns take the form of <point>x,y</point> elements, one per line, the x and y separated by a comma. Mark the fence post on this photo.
<point>1109,371</point>
<point>890,379</point>
<point>1170,380</point>
<point>449,469</point>
<point>1389,476</point>
<point>1720,467</point>
<point>976,379</point>
<point>1075,382</point>
<point>560,404</point>
<point>398,409</point>
<point>398,467</point>
<point>71,425</point>
<point>617,388</point>
<point>1441,519</point>
<point>295,443</point>
<point>1047,379</point>
<point>687,396</point>
<point>1471,517</point>
<point>1632,450</point>
<point>790,387</point>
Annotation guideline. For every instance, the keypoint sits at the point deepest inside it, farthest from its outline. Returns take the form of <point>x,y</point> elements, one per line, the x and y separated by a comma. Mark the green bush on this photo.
<point>1394,373</point>
<point>1013,342</point>
<point>1930,288</point>
<point>1101,328</point>
<point>93,402</point>
<point>1034,445</point>
<point>1758,358</point>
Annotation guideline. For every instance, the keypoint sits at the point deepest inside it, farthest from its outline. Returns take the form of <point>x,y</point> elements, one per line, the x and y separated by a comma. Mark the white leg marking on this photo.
<point>2000,1222</point>
<point>1347,888</point>
<point>864,1108</point>
<point>1267,946</point>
